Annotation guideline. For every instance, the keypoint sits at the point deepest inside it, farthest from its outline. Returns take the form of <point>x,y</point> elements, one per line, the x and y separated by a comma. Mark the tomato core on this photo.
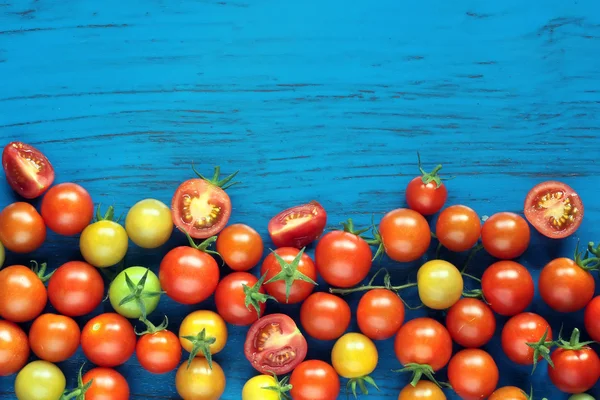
<point>199,211</point>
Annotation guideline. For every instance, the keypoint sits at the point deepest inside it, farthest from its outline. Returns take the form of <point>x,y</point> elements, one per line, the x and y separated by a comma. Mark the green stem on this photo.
<point>363,288</point>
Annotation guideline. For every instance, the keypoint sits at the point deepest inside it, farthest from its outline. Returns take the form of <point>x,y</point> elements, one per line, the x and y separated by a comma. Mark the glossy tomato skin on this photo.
<point>380,314</point>
<point>343,259</point>
<point>14,348</point>
<point>67,209</point>
<point>40,380</point>
<point>274,344</point>
<point>107,384</point>
<point>423,341</point>
<point>565,286</point>
<point>507,287</point>
<point>54,338</point>
<point>300,289</point>
<point>471,323</point>
<point>188,275</point>
<point>240,246</point>
<point>315,380</point>
<point>325,316</point>
<point>257,388</point>
<point>575,371</point>
<point>108,340</point>
<point>119,290</point>
<point>75,289</point>
<point>505,235</point>
<point>354,356</point>
<point>424,390</point>
<point>28,171</point>
<point>509,393</point>
<point>405,234</point>
<point>298,226</point>
<point>425,198</point>
<point>149,223</point>
<point>440,284</point>
<point>23,295</point>
<point>103,243</point>
<point>458,228</point>
<point>209,321</point>
<point>473,374</point>
<point>592,319</point>
<point>22,229</point>
<point>230,299</point>
<point>159,352</point>
<point>522,329</point>
<point>199,381</point>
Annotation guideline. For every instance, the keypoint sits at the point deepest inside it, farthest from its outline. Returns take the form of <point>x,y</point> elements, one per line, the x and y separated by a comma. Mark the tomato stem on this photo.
<point>349,227</point>
<point>541,348</point>
<point>289,273</point>
<point>204,246</point>
<point>585,261</point>
<point>363,288</point>
<point>79,392</point>
<point>418,370</point>
<point>254,297</point>
<point>281,387</point>
<point>432,176</point>
<point>573,343</point>
<point>40,270</point>
<point>360,382</point>
<point>151,328</point>
<point>224,183</point>
<point>138,293</point>
<point>200,343</point>
<point>471,276</point>
<point>471,255</point>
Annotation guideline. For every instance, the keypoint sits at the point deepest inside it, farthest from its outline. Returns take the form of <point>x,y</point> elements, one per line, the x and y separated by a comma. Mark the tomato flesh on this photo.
<point>28,171</point>
<point>298,226</point>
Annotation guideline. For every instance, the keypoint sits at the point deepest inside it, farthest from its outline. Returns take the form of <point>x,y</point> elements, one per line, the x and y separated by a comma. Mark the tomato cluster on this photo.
<point>275,345</point>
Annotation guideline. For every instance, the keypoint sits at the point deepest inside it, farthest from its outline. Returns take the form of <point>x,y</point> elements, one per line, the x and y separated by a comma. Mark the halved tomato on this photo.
<point>275,345</point>
<point>554,209</point>
<point>28,171</point>
<point>298,226</point>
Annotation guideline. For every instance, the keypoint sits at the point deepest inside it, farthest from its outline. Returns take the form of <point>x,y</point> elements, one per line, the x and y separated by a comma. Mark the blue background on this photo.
<point>325,100</point>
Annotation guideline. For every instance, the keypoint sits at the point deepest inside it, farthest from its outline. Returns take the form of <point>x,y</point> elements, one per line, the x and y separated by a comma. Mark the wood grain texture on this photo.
<point>326,100</point>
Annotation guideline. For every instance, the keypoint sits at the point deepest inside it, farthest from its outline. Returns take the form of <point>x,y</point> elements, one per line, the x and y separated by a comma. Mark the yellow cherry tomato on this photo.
<point>254,389</point>
<point>440,284</point>
<point>103,243</point>
<point>213,325</point>
<point>149,223</point>
<point>199,381</point>
<point>40,380</point>
<point>424,390</point>
<point>354,355</point>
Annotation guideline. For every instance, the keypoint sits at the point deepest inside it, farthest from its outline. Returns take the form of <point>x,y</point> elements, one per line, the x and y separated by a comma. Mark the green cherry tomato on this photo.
<point>582,396</point>
<point>137,296</point>
<point>149,223</point>
<point>103,243</point>
<point>40,380</point>
<point>2,254</point>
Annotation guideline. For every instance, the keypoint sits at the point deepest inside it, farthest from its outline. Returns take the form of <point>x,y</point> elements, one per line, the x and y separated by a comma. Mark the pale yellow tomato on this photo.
<point>103,243</point>
<point>440,284</point>
<point>254,389</point>
<point>354,355</point>
<point>149,223</point>
<point>40,380</point>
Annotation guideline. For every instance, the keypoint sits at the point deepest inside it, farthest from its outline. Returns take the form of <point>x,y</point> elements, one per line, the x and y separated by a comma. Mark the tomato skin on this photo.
<point>471,323</point>
<point>108,340</point>
<point>75,289</point>
<point>325,316</point>
<point>240,246</point>
<point>458,228</point>
<point>159,352</point>
<point>343,259</point>
<point>23,295</point>
<point>188,275</point>
<point>40,380</point>
<point>300,290</point>
<point>575,371</point>
<point>149,223</point>
<point>14,348</point>
<point>425,198</point>
<point>592,319</point>
<point>210,321</point>
<point>380,314</point>
<point>522,329</point>
<point>424,390</point>
<point>473,374</point>
<point>199,381</point>
<point>67,209</point>
<point>230,299</point>
<point>565,286</point>
<point>440,284</point>
<point>256,388</point>
<point>103,243</point>
<point>119,290</point>
<point>107,384</point>
<point>507,287</point>
<point>315,380</point>
<point>505,235</point>
<point>22,229</point>
<point>423,341</point>
<point>354,355</point>
<point>28,171</point>
<point>509,393</point>
<point>54,338</point>
<point>298,234</point>
<point>405,234</point>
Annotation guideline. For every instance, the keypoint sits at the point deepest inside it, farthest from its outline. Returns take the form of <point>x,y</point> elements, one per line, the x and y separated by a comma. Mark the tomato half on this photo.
<point>40,380</point>
<point>440,284</point>
<point>354,356</point>
<point>554,209</point>
<point>473,374</point>
<point>297,281</point>
<point>23,295</point>
<point>22,228</point>
<point>423,390</point>
<point>107,384</point>
<point>565,286</point>
<point>108,340</point>
<point>471,323</point>
<point>75,289</point>
<point>315,380</point>
<point>240,246</point>
<point>274,345</point>
<point>158,352</point>
<point>149,223</point>
<point>458,228</point>
<point>522,329</point>
<point>423,341</point>
<point>67,209</point>
<point>325,316</point>
<point>28,170</point>
<point>507,287</point>
<point>232,294</point>
<point>14,348</point>
<point>505,235</point>
<point>380,314</point>
<point>405,234</point>
<point>592,319</point>
<point>200,381</point>
<point>298,226</point>
<point>54,338</point>
<point>509,393</point>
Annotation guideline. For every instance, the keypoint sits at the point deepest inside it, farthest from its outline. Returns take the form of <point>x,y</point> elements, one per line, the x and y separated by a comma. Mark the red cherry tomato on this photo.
<point>522,329</point>
<point>505,235</point>
<point>27,169</point>
<point>54,338</point>
<point>14,348</point>
<point>298,226</point>
<point>299,289</point>
<point>592,319</point>
<point>23,295</point>
<point>107,384</point>
<point>230,298</point>
<point>325,316</point>
<point>565,286</point>
<point>158,352</point>
<point>473,374</point>
<point>22,229</point>
<point>240,246</point>
<point>315,380</point>
<point>458,228</point>
<point>507,287</point>
<point>67,209</point>
<point>108,340</point>
<point>471,323</point>
<point>426,194</point>
<point>423,341</point>
<point>75,289</point>
<point>380,314</point>
<point>405,234</point>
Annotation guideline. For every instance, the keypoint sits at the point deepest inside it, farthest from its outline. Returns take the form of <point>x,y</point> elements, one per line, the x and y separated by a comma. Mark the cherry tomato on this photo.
<point>40,380</point>
<point>471,323</point>
<point>260,387</point>
<point>14,348</point>
<point>147,291</point>
<point>149,223</point>
<point>107,384</point>
<point>240,246</point>
<point>199,381</point>
<point>565,286</point>
<point>22,229</point>
<point>405,234</point>
<point>54,338</point>
<point>505,235</point>
<point>522,329</point>
<point>231,295</point>
<point>67,209</point>
<point>158,350</point>
<point>458,228</point>
<point>315,380</point>
<point>103,243</point>
<point>274,345</point>
<point>108,340</point>
<point>423,341</point>
<point>440,284</point>
<point>203,325</point>
<point>424,390</point>
<point>298,226</point>
<point>426,194</point>
<point>592,319</point>
<point>473,374</point>
<point>325,316</point>
<point>302,271</point>
<point>507,287</point>
<point>509,393</point>
<point>23,295</point>
<point>27,169</point>
<point>354,356</point>
<point>75,289</point>
<point>554,209</point>
<point>380,314</point>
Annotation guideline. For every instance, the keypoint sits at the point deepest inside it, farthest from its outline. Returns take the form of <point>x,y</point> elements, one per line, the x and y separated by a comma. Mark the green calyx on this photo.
<point>79,392</point>
<point>40,270</point>
<point>573,343</point>
<point>289,273</point>
<point>360,383</point>
<point>200,343</point>
<point>542,348</point>
<point>254,297</point>
<point>109,215</point>
<point>417,371</point>
<point>224,183</point>
<point>428,177</point>
<point>204,246</point>
<point>376,241</point>
<point>589,259</point>
<point>282,387</point>
<point>151,328</point>
<point>348,226</point>
<point>138,293</point>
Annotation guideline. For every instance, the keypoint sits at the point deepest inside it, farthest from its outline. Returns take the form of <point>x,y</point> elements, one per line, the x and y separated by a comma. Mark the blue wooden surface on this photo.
<point>326,100</point>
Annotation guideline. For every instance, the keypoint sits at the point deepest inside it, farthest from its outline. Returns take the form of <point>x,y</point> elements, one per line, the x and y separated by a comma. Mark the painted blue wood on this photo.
<point>326,100</point>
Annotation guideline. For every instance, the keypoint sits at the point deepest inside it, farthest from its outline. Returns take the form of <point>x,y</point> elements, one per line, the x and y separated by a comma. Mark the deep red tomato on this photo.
<point>315,380</point>
<point>23,295</point>
<point>108,340</point>
<point>522,329</point>
<point>298,226</point>
<point>507,287</point>
<point>426,194</point>
<point>75,289</point>
<point>592,319</point>
<point>274,345</point>
<point>107,384</point>
<point>505,235</point>
<point>54,338</point>
<point>294,272</point>
<point>380,314</point>
<point>325,316</point>
<point>423,341</point>
<point>470,322</point>
<point>240,246</point>
<point>67,209</point>
<point>27,169</point>
<point>565,286</point>
<point>14,348</point>
<point>458,228</point>
<point>22,228</point>
<point>158,350</point>
<point>473,374</point>
<point>231,295</point>
<point>405,234</point>
<point>554,209</point>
